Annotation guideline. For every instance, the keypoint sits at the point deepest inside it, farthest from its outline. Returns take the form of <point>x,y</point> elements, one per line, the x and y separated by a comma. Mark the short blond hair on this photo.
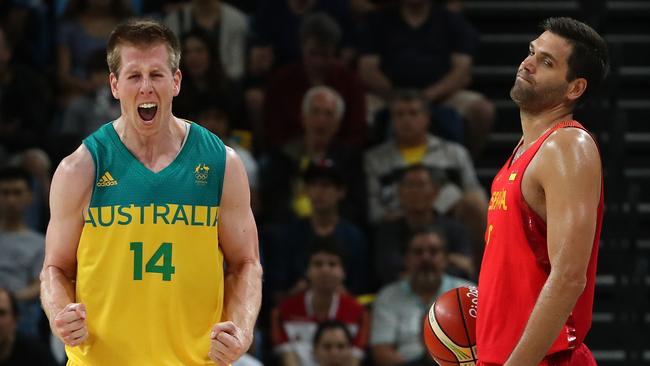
<point>141,33</point>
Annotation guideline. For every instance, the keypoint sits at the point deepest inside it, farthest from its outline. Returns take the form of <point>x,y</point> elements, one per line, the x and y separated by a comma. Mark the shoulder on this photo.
<point>569,149</point>
<point>234,15</point>
<point>391,293</point>
<point>73,179</point>
<point>377,153</point>
<point>77,166</point>
<point>293,304</point>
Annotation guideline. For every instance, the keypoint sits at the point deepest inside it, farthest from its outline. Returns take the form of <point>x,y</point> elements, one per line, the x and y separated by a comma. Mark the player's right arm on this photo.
<point>69,196</point>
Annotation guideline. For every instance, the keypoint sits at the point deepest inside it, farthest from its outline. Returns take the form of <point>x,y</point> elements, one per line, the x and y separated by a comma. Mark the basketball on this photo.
<point>450,327</point>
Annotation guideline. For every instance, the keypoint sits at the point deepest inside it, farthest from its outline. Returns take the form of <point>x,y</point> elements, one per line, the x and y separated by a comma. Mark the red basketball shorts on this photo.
<point>580,356</point>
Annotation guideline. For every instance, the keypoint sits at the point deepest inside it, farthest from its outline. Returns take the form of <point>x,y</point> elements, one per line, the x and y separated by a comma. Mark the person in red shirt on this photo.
<point>536,282</point>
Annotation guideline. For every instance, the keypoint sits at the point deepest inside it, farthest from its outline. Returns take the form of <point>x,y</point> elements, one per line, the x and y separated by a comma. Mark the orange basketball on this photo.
<point>450,328</point>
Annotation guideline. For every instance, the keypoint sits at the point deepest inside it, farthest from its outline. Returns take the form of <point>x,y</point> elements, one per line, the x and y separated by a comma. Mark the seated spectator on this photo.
<point>87,112</point>
<point>275,42</point>
<point>283,192</point>
<point>333,345</point>
<point>411,144</point>
<point>294,322</point>
<point>225,25</point>
<point>84,30</point>
<point>21,89</point>
<point>417,190</point>
<point>23,249</point>
<point>319,65</point>
<point>16,349</point>
<point>398,310</point>
<point>289,244</point>
<point>420,44</point>
<point>205,81</point>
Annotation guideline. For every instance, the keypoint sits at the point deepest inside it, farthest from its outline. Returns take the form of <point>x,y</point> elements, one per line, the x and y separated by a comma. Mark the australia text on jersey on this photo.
<point>155,213</point>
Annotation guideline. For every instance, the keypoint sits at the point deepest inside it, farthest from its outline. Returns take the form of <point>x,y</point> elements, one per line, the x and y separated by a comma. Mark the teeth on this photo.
<point>147,105</point>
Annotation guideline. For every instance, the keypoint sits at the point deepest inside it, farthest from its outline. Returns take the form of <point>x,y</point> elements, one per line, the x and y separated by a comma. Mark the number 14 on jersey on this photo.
<point>164,253</point>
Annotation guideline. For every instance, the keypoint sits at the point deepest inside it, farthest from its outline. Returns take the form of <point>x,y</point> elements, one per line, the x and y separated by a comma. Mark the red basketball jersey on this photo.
<point>516,265</point>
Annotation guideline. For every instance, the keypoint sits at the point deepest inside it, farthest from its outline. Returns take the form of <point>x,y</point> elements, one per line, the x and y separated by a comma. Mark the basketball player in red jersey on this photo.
<point>536,283</point>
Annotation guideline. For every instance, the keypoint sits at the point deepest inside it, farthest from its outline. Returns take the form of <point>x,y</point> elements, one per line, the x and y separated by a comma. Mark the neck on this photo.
<point>325,221</point>
<point>315,147</point>
<point>534,124</point>
<point>149,145</point>
<point>13,225</point>
<point>421,140</point>
<point>322,302</point>
<point>425,291</point>
<point>420,218</point>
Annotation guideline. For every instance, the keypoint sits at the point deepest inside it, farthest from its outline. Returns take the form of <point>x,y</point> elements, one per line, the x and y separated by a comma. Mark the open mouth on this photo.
<point>147,111</point>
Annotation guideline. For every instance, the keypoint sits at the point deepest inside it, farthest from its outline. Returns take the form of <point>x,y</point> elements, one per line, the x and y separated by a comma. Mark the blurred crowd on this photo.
<point>358,128</point>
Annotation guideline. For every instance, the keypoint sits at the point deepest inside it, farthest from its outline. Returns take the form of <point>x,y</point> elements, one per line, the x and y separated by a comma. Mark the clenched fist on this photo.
<point>227,343</point>
<point>69,324</point>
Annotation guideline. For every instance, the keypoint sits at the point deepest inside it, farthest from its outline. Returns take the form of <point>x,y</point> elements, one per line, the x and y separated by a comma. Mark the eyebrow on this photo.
<point>546,54</point>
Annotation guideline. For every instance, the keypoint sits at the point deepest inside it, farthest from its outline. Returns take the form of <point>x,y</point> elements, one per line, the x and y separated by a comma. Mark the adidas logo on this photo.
<point>106,180</point>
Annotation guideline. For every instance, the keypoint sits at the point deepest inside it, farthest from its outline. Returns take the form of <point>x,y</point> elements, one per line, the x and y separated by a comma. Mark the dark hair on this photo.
<point>326,244</point>
<point>215,72</point>
<point>589,57</point>
<point>331,325</point>
<point>321,28</point>
<point>12,301</point>
<point>427,230</point>
<point>437,176</point>
<point>16,173</point>
<point>141,33</point>
<point>408,95</point>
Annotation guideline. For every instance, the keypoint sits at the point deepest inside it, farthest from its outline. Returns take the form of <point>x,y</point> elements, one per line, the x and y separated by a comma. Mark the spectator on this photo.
<point>225,26</point>
<point>420,44</point>
<point>319,65</point>
<point>333,345</point>
<point>461,194</point>
<point>87,112</point>
<point>39,166</point>
<point>22,248</point>
<point>398,310</point>
<point>15,349</point>
<point>290,244</point>
<point>21,124</point>
<point>417,190</point>
<point>205,81</point>
<point>283,192</point>
<point>27,29</point>
<point>83,31</point>
<point>276,43</point>
<point>295,321</point>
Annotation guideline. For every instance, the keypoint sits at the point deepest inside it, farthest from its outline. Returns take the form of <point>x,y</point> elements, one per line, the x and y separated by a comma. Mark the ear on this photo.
<point>112,80</point>
<point>178,76</point>
<point>576,88</point>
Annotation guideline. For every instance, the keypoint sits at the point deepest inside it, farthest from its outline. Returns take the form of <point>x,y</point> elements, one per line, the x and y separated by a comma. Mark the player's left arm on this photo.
<point>232,337</point>
<point>568,172</point>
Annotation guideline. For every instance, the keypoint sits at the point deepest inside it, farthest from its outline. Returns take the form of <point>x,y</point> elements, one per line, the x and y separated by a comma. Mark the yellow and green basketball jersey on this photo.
<point>149,267</point>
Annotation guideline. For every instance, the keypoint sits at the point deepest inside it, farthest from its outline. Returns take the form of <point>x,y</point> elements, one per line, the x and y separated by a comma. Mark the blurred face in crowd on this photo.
<point>333,348</point>
<point>324,195</point>
<point>541,78</point>
<point>426,260</point>
<point>15,197</point>
<point>196,57</point>
<point>7,321</point>
<point>317,57</point>
<point>410,122</point>
<point>325,272</point>
<point>145,86</point>
<point>417,191</point>
<point>321,120</point>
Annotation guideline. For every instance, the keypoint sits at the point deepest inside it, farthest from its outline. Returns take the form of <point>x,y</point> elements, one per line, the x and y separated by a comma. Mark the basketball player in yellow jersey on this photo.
<point>144,214</point>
